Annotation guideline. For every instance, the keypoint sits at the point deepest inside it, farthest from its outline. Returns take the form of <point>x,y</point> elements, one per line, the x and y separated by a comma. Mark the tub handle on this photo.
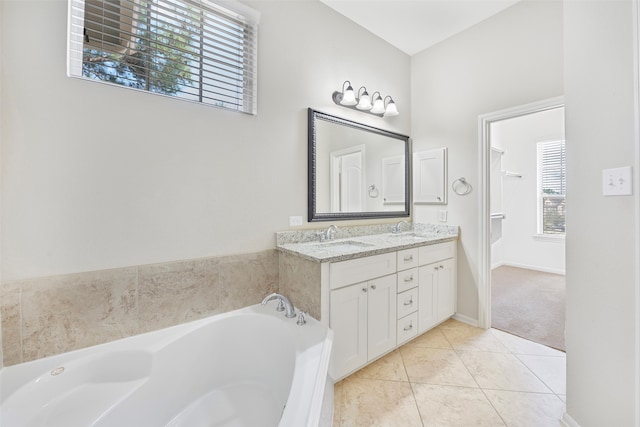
<point>302,318</point>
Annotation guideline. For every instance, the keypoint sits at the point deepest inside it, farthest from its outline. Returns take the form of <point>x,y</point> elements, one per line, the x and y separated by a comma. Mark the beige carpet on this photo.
<point>529,304</point>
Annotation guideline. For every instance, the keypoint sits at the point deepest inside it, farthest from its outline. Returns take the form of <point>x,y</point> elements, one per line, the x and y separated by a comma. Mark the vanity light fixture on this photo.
<point>364,102</point>
<point>390,108</point>
<point>375,104</point>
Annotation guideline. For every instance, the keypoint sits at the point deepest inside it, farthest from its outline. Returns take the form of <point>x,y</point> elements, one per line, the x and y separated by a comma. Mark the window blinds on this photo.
<point>190,49</point>
<point>552,186</point>
<point>553,167</point>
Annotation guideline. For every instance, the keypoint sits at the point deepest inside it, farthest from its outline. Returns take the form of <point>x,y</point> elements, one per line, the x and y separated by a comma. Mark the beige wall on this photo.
<point>100,182</point>
<point>97,177</point>
<point>602,252</point>
<point>511,59</point>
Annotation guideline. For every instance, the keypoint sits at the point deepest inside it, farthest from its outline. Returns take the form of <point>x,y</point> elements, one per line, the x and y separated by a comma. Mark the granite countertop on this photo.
<point>356,242</point>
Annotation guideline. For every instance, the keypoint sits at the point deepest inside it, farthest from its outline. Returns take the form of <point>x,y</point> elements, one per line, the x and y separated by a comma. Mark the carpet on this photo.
<point>529,304</point>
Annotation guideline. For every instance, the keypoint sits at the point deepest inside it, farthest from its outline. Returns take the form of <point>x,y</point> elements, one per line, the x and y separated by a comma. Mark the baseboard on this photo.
<point>533,267</point>
<point>567,421</point>
<point>465,319</point>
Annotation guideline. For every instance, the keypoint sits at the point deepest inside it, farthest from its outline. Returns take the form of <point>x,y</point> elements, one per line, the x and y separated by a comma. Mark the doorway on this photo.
<point>525,246</point>
<point>527,204</point>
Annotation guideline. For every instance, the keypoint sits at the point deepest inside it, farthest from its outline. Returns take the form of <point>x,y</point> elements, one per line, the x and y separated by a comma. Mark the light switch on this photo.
<point>295,221</point>
<point>442,216</point>
<point>617,182</point>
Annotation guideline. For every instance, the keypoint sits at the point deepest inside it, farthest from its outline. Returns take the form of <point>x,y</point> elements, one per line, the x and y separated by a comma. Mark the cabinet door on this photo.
<point>349,324</point>
<point>381,315</point>
<point>446,289</point>
<point>427,297</point>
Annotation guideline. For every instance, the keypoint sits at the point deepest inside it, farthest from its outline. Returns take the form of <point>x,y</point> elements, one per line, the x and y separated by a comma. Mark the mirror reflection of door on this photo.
<point>347,179</point>
<point>393,172</point>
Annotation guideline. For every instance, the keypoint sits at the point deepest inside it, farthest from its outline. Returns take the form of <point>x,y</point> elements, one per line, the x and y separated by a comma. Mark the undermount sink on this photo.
<point>348,245</point>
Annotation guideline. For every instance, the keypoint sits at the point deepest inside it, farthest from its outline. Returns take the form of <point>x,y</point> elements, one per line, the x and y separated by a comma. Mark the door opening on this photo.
<point>486,122</point>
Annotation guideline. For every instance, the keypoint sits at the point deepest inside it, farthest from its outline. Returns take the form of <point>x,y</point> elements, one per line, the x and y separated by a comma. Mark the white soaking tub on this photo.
<point>248,368</point>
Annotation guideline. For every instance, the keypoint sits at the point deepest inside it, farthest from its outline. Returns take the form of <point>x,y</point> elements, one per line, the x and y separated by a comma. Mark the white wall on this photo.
<point>95,177</point>
<point>511,59</point>
<point>602,252</point>
<point>520,245</point>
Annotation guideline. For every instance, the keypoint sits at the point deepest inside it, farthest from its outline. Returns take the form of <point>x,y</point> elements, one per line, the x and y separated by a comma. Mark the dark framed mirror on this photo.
<point>356,171</point>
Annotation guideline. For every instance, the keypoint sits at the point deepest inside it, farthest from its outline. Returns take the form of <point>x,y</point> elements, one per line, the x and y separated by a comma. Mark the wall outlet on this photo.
<point>295,221</point>
<point>442,216</point>
<point>617,182</point>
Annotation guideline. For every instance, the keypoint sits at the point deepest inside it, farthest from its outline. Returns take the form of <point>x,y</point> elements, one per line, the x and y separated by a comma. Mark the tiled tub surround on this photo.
<point>302,254</point>
<point>52,315</point>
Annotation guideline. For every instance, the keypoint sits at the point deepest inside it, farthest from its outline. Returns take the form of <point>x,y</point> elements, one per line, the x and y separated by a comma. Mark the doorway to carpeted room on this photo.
<point>529,304</point>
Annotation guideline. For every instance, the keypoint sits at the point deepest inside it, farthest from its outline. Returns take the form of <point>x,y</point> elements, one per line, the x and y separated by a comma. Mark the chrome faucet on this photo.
<point>396,228</point>
<point>331,232</point>
<point>328,234</point>
<point>284,304</point>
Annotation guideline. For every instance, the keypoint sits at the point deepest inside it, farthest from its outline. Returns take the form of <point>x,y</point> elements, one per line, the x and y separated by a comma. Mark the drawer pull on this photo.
<point>408,279</point>
<point>408,328</point>
<point>408,258</point>
<point>409,302</point>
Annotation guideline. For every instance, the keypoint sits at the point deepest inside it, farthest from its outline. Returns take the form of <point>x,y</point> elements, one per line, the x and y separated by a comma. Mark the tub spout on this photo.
<point>290,310</point>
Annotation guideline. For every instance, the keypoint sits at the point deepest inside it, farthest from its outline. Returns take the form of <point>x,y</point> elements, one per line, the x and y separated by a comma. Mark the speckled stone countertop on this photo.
<point>359,241</point>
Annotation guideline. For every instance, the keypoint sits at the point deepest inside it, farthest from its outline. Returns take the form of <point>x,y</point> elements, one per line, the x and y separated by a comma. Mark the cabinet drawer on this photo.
<point>437,252</point>
<point>407,328</point>
<point>358,270</point>
<point>407,279</point>
<point>407,258</point>
<point>407,302</point>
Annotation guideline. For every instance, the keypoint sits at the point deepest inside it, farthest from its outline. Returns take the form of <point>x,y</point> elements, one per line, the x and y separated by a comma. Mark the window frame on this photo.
<point>541,196</point>
<point>230,90</point>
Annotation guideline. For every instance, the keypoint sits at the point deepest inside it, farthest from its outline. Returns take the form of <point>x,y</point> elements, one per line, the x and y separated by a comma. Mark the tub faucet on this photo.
<point>289,309</point>
<point>396,228</point>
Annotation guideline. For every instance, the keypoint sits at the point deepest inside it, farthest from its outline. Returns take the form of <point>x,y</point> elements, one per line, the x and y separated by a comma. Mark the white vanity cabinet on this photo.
<point>363,314</point>
<point>437,284</point>
<point>395,288</point>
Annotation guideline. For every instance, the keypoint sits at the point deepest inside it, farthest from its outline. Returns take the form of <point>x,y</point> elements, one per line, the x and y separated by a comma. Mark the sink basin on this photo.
<point>344,246</point>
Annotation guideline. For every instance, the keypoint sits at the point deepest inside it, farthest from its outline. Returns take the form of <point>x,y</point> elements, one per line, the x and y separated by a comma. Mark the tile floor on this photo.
<point>457,375</point>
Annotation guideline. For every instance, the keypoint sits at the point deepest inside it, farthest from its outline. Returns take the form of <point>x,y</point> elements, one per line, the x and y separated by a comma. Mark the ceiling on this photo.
<point>414,25</point>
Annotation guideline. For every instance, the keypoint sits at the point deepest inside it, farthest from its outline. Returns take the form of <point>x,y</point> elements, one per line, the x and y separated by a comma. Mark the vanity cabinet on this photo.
<point>437,285</point>
<point>376,300</point>
<point>362,315</point>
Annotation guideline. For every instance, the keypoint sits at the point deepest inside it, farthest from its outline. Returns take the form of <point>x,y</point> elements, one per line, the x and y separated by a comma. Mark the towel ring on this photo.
<point>461,187</point>
<point>373,191</point>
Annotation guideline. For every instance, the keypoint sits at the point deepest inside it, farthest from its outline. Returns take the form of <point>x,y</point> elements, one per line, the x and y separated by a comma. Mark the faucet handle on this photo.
<point>302,318</point>
<point>280,305</point>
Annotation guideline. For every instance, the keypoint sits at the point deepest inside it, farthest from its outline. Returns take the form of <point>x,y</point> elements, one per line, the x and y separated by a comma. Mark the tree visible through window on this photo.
<point>191,49</point>
<point>551,187</point>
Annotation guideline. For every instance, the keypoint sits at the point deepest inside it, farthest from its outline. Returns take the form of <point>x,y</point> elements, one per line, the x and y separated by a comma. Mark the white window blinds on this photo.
<point>551,187</point>
<point>189,49</point>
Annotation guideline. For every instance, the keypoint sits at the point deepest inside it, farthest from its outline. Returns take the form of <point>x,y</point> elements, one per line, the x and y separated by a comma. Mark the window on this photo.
<point>189,49</point>
<point>551,187</point>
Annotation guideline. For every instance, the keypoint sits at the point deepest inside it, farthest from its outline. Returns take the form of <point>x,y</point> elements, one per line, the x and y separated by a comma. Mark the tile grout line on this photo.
<point>413,393</point>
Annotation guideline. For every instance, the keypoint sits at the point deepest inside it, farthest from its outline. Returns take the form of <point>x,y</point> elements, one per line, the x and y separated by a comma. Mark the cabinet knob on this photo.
<point>436,268</point>
<point>442,266</point>
<point>364,289</point>
<point>373,287</point>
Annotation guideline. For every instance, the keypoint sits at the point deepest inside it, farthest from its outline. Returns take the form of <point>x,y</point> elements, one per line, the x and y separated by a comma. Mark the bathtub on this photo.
<point>251,367</point>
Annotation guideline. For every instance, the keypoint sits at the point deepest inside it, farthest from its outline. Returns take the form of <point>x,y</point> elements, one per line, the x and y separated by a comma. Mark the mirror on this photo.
<point>356,171</point>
